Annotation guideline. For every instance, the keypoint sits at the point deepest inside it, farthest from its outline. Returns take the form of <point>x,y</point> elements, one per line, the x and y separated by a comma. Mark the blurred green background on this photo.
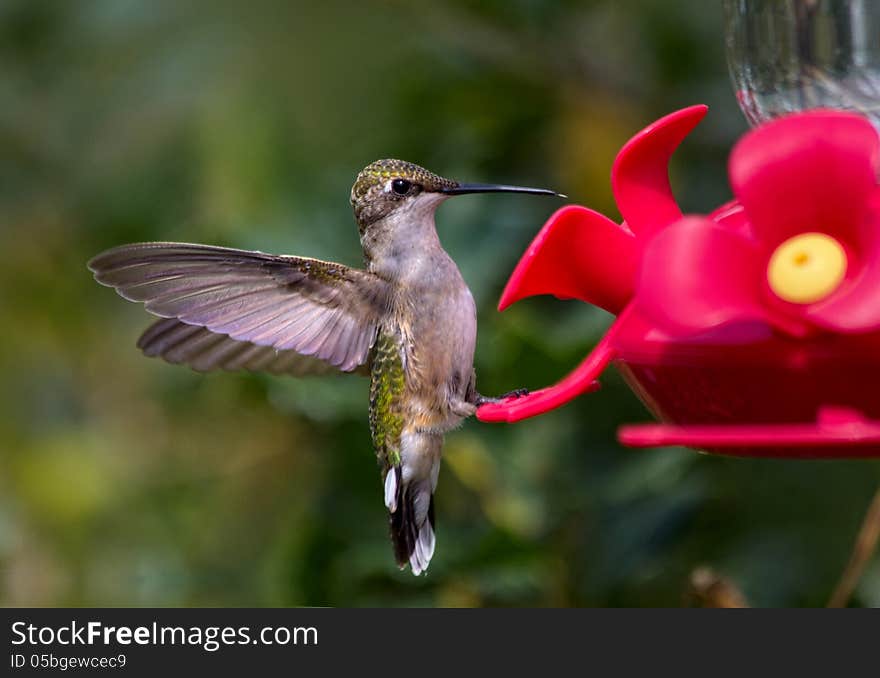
<point>126,481</point>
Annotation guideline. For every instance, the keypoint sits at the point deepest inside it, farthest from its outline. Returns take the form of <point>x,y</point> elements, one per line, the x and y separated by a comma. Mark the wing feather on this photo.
<point>234,309</point>
<point>203,350</point>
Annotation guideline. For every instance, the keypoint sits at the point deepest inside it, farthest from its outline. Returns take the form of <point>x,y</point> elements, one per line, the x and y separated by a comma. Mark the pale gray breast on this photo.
<point>443,330</point>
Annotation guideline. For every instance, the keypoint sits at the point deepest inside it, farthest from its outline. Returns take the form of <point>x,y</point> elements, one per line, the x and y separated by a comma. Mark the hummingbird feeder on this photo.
<point>753,330</point>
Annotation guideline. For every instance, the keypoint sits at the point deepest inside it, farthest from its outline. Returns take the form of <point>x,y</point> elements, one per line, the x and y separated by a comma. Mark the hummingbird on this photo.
<point>406,319</point>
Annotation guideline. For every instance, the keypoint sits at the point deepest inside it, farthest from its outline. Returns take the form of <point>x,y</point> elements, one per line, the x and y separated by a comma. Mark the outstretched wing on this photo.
<point>292,306</point>
<point>204,350</point>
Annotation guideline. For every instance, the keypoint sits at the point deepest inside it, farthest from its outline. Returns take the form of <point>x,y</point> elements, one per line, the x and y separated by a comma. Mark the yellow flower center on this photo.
<point>806,268</point>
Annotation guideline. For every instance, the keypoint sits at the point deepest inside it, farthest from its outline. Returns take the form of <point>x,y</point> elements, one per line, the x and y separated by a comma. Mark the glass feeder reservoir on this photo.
<point>787,56</point>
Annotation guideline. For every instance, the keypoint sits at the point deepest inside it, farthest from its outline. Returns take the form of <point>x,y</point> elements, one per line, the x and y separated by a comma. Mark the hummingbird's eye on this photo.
<point>401,186</point>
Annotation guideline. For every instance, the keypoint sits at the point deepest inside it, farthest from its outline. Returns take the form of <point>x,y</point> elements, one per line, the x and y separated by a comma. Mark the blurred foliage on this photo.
<point>126,481</point>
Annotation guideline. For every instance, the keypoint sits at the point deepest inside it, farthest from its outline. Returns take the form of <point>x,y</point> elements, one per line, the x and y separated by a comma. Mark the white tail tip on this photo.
<point>424,549</point>
<point>391,489</point>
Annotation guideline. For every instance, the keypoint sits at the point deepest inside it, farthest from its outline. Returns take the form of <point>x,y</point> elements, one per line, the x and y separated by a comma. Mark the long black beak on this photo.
<point>461,189</point>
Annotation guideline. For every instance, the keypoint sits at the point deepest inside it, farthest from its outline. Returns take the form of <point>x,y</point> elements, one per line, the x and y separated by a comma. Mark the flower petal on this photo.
<point>806,172</point>
<point>640,175</point>
<point>855,307</point>
<point>579,254</point>
<point>837,433</point>
<point>697,276</point>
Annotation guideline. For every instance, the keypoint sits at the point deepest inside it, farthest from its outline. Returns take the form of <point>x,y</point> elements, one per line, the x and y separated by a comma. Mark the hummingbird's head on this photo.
<point>396,187</point>
<point>388,186</point>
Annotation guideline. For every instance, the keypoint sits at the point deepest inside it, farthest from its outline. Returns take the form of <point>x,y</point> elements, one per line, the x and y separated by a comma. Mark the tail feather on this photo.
<point>392,482</point>
<point>412,526</point>
<point>424,550</point>
<point>424,547</point>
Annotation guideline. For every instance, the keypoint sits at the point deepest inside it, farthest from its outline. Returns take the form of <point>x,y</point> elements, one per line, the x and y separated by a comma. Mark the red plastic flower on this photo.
<point>754,330</point>
<point>806,256</point>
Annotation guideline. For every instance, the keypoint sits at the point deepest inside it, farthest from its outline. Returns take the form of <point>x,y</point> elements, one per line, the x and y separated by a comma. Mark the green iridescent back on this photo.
<point>386,389</point>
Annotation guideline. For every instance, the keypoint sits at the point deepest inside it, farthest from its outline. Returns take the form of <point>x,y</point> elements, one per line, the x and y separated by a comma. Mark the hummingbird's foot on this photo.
<point>515,393</point>
<point>485,400</point>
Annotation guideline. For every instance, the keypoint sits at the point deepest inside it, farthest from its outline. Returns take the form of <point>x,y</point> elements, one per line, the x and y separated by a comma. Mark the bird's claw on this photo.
<point>515,393</point>
<point>487,400</point>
